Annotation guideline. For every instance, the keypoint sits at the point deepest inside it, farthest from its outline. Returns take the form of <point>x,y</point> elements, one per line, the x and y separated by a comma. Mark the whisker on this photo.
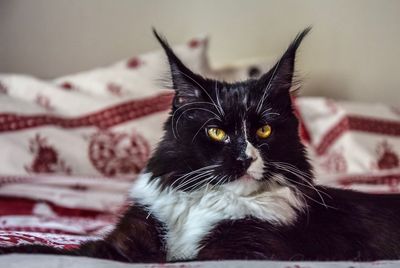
<point>202,109</point>
<point>183,106</point>
<point>204,90</point>
<point>198,131</point>
<point>263,144</point>
<point>217,95</point>
<point>194,171</point>
<point>305,195</point>
<point>305,175</point>
<point>209,181</point>
<point>295,171</point>
<point>206,172</point>
<point>261,102</point>
<point>194,186</point>
<point>300,174</point>
<point>268,112</point>
<point>193,179</point>
<point>218,182</point>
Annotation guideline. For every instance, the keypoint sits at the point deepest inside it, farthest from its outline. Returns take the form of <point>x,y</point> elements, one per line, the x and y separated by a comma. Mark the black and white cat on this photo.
<point>231,180</point>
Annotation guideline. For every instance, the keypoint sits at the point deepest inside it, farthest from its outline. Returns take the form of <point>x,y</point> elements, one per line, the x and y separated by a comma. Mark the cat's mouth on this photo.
<point>244,185</point>
<point>249,176</point>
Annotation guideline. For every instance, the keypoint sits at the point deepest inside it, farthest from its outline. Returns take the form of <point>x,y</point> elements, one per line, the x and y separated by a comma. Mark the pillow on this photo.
<point>351,137</point>
<point>99,122</point>
<point>139,76</point>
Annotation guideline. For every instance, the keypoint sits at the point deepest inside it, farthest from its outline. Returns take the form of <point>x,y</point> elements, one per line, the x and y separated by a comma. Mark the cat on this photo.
<point>230,179</point>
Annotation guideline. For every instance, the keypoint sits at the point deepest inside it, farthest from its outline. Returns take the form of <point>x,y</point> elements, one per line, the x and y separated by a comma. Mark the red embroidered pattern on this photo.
<point>118,153</point>
<point>387,157</point>
<point>134,63</point>
<point>358,123</point>
<point>194,43</point>
<point>103,119</point>
<point>13,238</point>
<point>25,206</point>
<point>68,86</point>
<point>331,104</point>
<point>46,159</point>
<point>334,162</point>
<point>44,102</point>
<point>303,132</point>
<point>392,179</point>
<point>114,89</point>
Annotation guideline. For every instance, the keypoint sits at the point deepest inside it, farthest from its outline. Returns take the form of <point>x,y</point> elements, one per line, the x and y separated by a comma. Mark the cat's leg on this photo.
<point>136,238</point>
<point>244,240</point>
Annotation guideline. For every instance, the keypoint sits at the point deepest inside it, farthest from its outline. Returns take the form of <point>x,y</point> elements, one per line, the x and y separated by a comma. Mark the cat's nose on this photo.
<point>244,162</point>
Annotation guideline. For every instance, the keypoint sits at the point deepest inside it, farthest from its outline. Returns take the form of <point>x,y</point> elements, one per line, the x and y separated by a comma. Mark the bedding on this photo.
<point>60,211</point>
<point>111,115</point>
<point>349,137</point>
<point>352,145</point>
<point>71,148</point>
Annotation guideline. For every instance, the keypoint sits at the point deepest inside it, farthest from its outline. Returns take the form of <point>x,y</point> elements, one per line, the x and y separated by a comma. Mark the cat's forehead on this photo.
<point>239,102</point>
<point>240,97</point>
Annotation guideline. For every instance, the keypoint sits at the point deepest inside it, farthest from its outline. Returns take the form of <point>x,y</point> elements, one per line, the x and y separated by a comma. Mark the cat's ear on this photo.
<point>188,85</point>
<point>278,81</point>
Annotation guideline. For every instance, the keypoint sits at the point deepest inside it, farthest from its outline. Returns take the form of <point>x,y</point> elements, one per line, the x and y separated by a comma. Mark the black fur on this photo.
<point>354,226</point>
<point>335,225</point>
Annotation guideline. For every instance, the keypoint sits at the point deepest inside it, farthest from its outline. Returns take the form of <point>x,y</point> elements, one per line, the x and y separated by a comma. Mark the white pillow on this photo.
<point>351,137</point>
<point>100,122</point>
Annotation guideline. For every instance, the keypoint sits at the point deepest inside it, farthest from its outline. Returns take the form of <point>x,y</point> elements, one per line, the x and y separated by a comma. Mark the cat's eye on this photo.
<point>217,134</point>
<point>264,131</point>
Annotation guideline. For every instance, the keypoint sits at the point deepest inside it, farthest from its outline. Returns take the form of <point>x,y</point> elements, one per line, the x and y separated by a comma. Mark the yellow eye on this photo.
<point>264,131</point>
<point>216,134</point>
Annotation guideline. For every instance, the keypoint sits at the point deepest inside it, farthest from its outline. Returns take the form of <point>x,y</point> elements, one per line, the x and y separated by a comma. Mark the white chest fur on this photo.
<point>189,217</point>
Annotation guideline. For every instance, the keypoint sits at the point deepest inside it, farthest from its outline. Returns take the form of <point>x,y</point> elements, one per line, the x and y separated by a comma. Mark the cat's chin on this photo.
<point>244,185</point>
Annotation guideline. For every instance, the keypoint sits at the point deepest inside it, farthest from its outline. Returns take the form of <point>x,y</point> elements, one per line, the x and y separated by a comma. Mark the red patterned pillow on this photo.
<point>350,137</point>
<point>139,76</point>
<point>100,122</point>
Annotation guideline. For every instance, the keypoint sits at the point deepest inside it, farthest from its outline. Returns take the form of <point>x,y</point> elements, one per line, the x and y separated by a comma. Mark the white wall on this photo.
<point>352,53</point>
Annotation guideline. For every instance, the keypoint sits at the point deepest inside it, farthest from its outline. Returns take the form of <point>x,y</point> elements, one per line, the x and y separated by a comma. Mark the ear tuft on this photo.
<point>285,66</point>
<point>172,58</point>
<point>280,77</point>
<point>186,83</point>
<point>279,80</point>
<point>297,41</point>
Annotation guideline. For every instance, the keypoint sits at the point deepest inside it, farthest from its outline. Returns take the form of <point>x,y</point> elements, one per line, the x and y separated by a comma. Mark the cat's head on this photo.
<point>221,132</point>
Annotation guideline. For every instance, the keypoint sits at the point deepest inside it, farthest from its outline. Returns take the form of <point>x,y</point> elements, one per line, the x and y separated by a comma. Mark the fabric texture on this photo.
<point>100,122</point>
<point>350,137</point>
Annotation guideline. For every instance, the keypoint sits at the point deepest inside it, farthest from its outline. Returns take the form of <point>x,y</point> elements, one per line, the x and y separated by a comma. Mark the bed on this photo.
<point>72,146</point>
